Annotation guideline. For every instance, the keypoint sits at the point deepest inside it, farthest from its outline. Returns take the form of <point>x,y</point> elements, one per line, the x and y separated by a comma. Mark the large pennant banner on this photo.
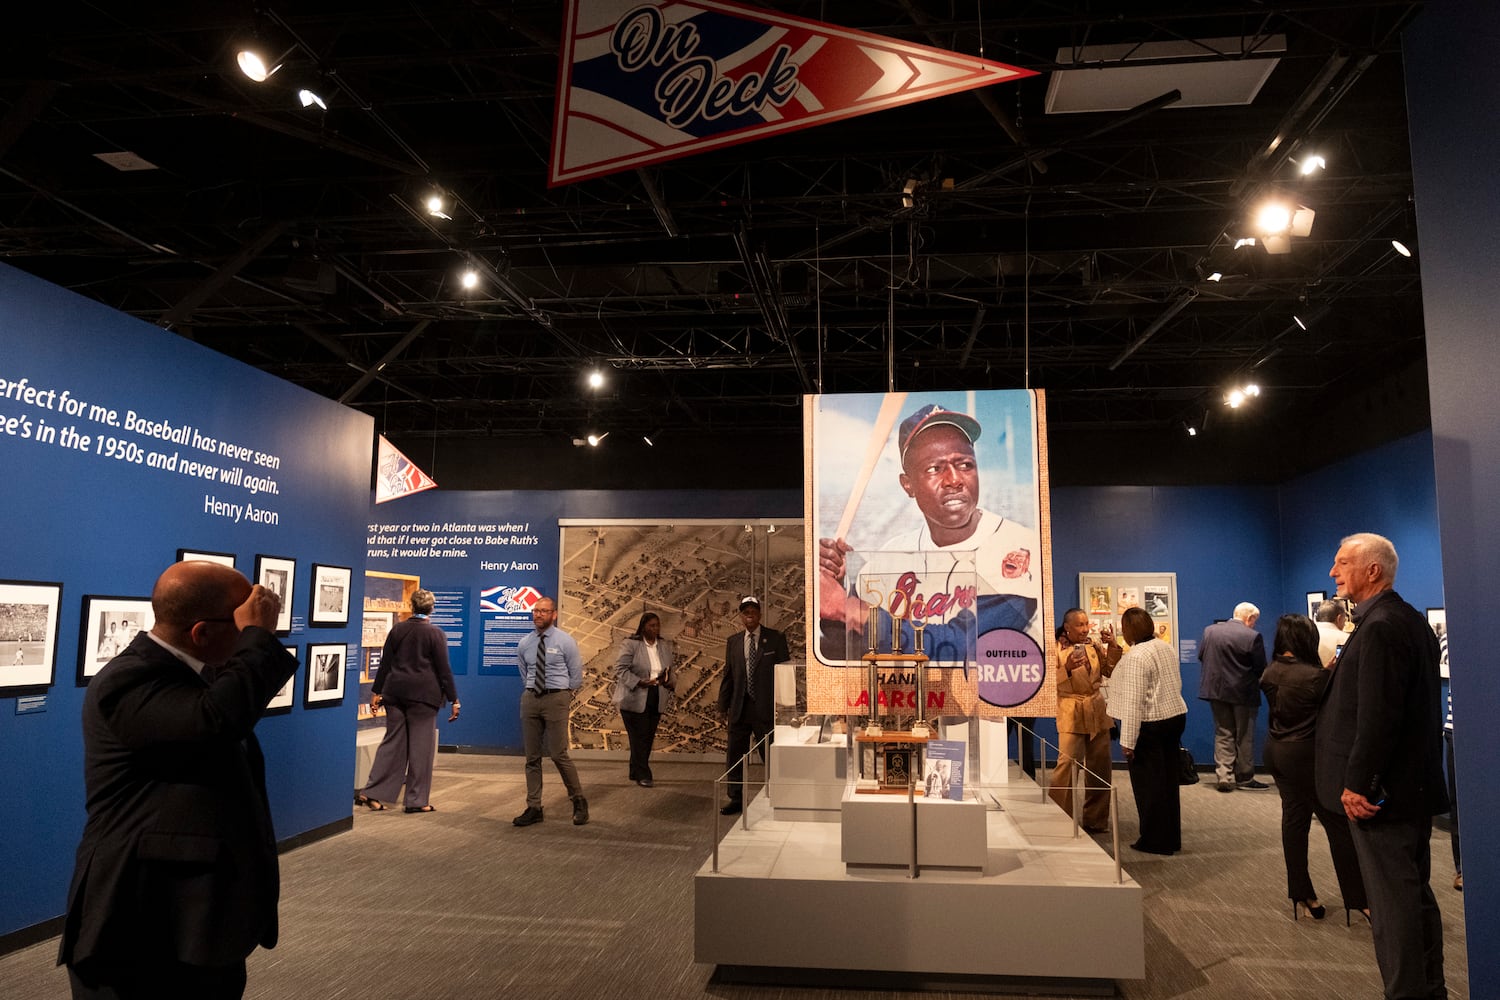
<point>642,83</point>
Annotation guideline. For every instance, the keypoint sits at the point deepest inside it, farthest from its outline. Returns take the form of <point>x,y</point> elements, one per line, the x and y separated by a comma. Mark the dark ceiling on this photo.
<point>1065,252</point>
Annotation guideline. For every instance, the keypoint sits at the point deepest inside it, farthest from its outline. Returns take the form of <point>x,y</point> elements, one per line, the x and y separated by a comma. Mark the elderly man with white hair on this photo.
<point>1233,655</point>
<point>1377,758</point>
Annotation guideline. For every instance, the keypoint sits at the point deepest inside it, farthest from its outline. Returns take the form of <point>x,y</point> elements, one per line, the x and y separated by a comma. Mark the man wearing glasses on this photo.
<point>176,876</point>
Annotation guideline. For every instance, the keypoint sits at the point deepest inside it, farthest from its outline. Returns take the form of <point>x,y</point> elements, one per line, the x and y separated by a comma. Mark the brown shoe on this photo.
<point>1458,881</point>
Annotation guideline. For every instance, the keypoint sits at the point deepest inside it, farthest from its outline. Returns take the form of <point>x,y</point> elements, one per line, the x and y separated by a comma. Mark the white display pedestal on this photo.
<point>366,742</point>
<point>783,908</point>
<point>806,780</point>
<point>877,832</point>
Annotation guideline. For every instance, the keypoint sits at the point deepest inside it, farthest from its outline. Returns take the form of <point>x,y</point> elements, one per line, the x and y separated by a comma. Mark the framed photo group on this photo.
<point>31,613</point>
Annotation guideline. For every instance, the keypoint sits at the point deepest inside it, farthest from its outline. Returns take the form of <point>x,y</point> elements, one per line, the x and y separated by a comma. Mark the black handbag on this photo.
<point>1187,771</point>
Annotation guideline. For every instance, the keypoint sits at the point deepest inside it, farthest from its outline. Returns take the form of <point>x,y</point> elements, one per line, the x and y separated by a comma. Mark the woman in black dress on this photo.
<point>1294,684</point>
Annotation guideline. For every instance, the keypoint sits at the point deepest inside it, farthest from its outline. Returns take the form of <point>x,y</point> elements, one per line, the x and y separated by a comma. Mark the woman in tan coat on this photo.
<point>1083,721</point>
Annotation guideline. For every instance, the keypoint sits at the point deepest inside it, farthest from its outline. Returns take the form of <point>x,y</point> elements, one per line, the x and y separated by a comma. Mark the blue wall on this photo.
<point>1267,545</point>
<point>491,699</point>
<point>1453,95</point>
<point>1220,541</point>
<point>105,526</point>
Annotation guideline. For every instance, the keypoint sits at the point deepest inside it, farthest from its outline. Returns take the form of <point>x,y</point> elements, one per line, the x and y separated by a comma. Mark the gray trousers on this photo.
<point>405,755</point>
<point>1234,740</point>
<point>1395,857</point>
<point>544,727</point>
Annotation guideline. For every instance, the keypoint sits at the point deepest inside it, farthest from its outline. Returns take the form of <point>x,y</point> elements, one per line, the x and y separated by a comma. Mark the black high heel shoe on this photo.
<point>1349,912</point>
<point>1311,907</point>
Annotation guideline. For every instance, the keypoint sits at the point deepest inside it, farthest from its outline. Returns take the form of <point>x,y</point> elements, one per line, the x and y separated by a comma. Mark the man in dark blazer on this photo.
<point>1233,655</point>
<point>176,877</point>
<point>1378,760</point>
<point>746,695</point>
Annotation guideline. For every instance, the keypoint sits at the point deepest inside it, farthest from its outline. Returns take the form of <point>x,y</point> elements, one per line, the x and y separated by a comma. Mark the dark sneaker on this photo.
<point>1252,783</point>
<point>580,811</point>
<point>528,817</point>
<point>1226,786</point>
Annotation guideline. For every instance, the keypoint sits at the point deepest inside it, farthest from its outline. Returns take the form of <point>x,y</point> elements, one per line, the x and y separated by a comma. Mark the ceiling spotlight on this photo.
<point>596,379</point>
<point>308,99</point>
<point>1244,241</point>
<point>1252,389</point>
<point>435,207</point>
<point>1234,399</point>
<point>1400,248</point>
<point>1216,276</point>
<point>1273,217</point>
<point>1298,321</point>
<point>594,439</point>
<point>1192,431</point>
<point>255,66</point>
<point>1311,164</point>
<point>470,279</point>
<point>907,190</point>
<point>649,443</point>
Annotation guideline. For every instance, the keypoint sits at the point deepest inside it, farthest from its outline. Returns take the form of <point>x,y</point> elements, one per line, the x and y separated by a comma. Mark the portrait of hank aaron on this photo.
<point>945,554</point>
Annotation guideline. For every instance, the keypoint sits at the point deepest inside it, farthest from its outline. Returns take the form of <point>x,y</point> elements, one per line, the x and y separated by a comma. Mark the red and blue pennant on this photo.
<point>643,83</point>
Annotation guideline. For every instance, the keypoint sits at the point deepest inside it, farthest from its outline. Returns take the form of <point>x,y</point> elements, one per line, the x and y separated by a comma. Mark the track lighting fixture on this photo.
<point>253,63</point>
<point>309,99</point>
<point>1400,248</point>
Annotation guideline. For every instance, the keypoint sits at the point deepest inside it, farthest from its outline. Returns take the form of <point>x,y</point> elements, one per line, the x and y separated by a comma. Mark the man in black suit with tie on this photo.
<point>176,876</point>
<point>746,695</point>
<point>1378,759</point>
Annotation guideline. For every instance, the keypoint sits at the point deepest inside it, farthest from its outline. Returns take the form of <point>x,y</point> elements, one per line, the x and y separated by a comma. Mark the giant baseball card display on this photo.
<point>929,523</point>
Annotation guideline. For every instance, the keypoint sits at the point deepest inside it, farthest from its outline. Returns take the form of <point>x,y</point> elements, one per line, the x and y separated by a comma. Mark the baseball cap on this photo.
<point>932,415</point>
<point>749,599</point>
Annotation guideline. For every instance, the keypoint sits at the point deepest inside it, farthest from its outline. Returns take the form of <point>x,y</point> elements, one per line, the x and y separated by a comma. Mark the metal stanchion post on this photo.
<point>1114,828</point>
<point>911,798</point>
<point>716,826</point>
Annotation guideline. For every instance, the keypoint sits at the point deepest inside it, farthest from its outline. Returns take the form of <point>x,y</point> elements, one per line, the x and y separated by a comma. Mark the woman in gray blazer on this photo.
<point>643,691</point>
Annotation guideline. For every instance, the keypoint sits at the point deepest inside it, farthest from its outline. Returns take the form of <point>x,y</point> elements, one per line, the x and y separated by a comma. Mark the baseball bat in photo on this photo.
<point>885,420</point>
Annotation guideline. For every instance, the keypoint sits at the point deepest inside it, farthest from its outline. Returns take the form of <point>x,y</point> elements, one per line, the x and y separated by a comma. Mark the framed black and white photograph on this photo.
<point>377,626</point>
<point>278,574</point>
<point>29,615</point>
<point>199,555</point>
<point>1314,598</point>
<point>325,673</point>
<point>109,624</point>
<point>330,596</point>
<point>281,701</point>
<point>1438,619</point>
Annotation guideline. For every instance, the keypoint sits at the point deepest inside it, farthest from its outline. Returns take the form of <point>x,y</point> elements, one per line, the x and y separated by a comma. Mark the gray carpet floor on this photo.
<point>462,904</point>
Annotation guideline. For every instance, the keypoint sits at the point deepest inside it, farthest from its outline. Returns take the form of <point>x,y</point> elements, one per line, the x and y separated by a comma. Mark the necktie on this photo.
<point>539,684</point>
<point>752,658</point>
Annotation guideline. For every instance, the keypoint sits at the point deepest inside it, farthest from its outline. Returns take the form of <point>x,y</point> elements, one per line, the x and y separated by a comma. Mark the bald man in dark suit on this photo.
<point>176,877</point>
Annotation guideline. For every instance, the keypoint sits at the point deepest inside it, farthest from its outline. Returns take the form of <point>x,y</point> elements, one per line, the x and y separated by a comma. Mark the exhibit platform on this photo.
<point>1047,909</point>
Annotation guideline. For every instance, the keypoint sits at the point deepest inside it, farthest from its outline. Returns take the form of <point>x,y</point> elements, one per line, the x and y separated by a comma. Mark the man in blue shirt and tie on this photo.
<point>551,670</point>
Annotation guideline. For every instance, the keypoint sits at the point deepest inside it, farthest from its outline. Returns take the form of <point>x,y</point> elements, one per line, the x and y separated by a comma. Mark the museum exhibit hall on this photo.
<point>841,436</point>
